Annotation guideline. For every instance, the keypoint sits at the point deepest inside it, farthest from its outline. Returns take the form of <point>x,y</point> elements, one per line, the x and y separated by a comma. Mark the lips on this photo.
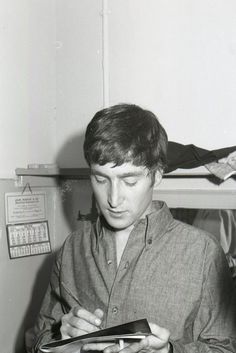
<point>116,213</point>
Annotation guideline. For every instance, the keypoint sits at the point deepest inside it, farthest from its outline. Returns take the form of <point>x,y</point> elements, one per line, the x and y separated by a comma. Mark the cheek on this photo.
<point>140,198</point>
<point>99,196</point>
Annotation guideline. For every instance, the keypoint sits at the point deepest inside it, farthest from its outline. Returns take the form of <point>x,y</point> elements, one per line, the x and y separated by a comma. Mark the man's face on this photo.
<point>123,193</point>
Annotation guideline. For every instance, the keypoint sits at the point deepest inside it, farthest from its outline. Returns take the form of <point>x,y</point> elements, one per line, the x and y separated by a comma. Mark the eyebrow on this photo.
<point>121,176</point>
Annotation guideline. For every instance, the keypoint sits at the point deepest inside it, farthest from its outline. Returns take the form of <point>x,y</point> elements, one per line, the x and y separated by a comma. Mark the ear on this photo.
<point>158,178</point>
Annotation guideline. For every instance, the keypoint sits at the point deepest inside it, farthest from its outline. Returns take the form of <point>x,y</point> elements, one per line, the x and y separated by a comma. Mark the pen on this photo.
<point>121,344</point>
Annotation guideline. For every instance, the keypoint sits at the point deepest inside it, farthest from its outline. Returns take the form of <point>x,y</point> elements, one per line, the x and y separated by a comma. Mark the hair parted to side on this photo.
<point>126,133</point>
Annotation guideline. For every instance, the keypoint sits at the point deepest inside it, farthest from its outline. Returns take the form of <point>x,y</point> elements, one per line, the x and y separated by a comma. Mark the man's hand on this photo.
<point>80,321</point>
<point>158,341</point>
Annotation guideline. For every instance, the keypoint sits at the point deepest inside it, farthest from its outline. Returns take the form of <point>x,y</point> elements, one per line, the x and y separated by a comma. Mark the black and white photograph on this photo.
<point>118,177</point>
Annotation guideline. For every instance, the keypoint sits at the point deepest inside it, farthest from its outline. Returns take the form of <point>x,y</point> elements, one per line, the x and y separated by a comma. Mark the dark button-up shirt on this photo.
<point>171,273</point>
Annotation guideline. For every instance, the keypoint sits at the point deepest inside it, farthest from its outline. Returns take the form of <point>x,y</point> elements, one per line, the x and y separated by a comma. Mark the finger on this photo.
<point>129,348</point>
<point>158,339</point>
<point>99,313</point>
<point>72,326</point>
<point>74,332</point>
<point>68,331</point>
<point>82,324</point>
<point>162,333</point>
<point>87,316</point>
<point>96,346</point>
<point>82,327</point>
<point>64,325</point>
<point>114,348</point>
<point>64,336</point>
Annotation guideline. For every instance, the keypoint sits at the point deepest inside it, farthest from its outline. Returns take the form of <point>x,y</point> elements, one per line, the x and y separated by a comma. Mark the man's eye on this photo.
<point>100,179</point>
<point>130,181</point>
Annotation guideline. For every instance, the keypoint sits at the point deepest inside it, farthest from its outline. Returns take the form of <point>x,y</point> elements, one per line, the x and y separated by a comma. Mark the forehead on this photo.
<point>125,169</point>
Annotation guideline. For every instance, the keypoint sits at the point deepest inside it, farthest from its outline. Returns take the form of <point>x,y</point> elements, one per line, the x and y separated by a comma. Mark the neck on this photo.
<point>121,238</point>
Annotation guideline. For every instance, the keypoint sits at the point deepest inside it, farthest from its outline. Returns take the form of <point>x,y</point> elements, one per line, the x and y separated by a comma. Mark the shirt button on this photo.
<point>126,265</point>
<point>149,241</point>
<point>109,262</point>
<point>114,310</point>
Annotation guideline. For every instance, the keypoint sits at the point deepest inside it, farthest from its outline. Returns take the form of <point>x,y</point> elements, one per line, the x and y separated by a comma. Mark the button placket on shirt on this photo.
<point>149,242</point>
<point>120,286</point>
<point>115,310</point>
<point>126,265</point>
<point>117,294</point>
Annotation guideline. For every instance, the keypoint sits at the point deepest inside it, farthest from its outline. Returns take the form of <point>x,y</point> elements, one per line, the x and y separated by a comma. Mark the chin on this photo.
<point>117,224</point>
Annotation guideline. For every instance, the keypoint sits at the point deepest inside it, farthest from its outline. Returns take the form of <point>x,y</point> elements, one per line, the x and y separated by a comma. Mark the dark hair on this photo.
<point>126,133</point>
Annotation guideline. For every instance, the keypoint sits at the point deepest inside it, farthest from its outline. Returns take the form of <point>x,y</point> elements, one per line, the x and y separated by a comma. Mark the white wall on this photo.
<point>23,280</point>
<point>177,58</point>
<point>51,79</point>
<point>37,67</point>
<point>27,84</point>
<point>79,75</point>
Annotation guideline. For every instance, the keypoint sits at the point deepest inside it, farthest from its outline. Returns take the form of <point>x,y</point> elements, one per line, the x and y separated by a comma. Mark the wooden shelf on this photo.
<point>80,173</point>
<point>84,172</point>
<point>189,188</point>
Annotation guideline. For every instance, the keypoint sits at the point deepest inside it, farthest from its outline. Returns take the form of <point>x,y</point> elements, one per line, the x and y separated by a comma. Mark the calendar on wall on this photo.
<point>26,223</point>
<point>28,239</point>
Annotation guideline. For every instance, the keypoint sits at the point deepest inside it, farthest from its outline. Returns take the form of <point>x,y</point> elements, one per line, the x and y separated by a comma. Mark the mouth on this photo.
<point>116,213</point>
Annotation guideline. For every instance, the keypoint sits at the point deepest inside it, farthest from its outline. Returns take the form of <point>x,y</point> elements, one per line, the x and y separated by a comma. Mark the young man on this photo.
<point>136,261</point>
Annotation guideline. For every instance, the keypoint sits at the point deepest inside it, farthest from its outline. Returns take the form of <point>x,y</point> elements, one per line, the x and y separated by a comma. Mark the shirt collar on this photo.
<point>157,222</point>
<point>154,225</point>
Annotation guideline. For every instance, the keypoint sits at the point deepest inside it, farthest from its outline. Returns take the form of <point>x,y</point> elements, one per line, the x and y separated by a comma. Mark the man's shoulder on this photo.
<point>192,233</point>
<point>83,230</point>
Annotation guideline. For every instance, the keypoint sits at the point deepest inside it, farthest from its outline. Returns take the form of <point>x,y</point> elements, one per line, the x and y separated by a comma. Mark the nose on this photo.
<point>114,195</point>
